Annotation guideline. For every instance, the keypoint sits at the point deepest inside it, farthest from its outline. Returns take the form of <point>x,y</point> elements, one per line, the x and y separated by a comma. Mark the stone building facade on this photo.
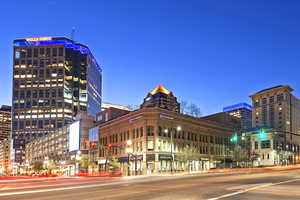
<point>270,147</point>
<point>156,139</point>
<point>159,138</point>
<point>277,108</point>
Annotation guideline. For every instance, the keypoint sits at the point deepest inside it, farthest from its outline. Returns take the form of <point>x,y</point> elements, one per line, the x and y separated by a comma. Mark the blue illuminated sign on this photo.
<point>237,106</point>
<point>66,43</point>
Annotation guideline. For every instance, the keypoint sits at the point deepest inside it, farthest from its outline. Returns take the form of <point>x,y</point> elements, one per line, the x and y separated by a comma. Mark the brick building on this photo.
<point>155,139</point>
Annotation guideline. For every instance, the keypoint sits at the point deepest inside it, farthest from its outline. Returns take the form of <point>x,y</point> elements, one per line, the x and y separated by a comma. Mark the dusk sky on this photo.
<point>210,52</point>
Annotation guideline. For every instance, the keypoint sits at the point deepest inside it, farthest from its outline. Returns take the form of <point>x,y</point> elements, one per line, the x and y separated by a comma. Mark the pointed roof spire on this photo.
<point>160,89</point>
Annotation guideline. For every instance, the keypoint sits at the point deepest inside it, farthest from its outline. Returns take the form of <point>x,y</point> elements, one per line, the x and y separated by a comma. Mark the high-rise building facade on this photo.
<point>242,111</point>
<point>53,79</point>
<point>5,121</point>
<point>277,108</point>
<point>225,119</point>
<point>5,130</point>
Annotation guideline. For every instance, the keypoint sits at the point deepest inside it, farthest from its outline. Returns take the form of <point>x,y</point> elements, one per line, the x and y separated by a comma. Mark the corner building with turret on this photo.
<point>156,138</point>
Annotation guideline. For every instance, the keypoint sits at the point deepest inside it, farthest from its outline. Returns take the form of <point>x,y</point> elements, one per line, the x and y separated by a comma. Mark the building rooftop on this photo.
<point>5,108</point>
<point>237,106</point>
<point>68,43</point>
<point>109,105</point>
<point>275,87</point>
<point>160,89</point>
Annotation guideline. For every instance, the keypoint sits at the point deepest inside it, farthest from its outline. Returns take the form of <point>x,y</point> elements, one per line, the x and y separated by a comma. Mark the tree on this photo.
<point>188,153</point>
<point>114,163</point>
<point>85,163</point>
<point>240,154</point>
<point>51,166</point>
<point>194,110</point>
<point>183,107</point>
<point>38,166</point>
<point>190,109</point>
<point>133,107</point>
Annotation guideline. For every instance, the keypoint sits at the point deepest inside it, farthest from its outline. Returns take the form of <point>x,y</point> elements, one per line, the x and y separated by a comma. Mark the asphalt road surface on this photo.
<point>269,185</point>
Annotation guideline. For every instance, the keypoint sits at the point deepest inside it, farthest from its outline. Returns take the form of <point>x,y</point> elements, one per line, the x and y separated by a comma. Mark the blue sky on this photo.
<point>211,52</point>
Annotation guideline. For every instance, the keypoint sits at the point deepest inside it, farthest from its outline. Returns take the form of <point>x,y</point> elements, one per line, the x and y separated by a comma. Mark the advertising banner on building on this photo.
<point>74,136</point>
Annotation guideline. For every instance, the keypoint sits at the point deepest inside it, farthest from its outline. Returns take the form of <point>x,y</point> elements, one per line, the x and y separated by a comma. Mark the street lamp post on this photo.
<point>178,128</point>
<point>77,163</point>
<point>129,151</point>
<point>172,151</point>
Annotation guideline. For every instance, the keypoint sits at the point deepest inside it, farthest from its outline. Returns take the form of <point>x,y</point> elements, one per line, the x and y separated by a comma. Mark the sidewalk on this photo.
<point>224,171</point>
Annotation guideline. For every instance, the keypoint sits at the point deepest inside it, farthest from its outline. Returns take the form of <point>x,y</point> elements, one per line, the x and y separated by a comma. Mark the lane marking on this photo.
<point>252,188</point>
<point>46,185</point>
<point>54,189</point>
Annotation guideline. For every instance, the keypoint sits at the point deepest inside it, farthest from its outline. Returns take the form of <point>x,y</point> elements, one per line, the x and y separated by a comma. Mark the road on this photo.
<point>263,185</point>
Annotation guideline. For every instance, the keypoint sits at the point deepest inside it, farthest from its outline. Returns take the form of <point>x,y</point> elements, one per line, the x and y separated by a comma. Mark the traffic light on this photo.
<point>262,134</point>
<point>234,139</point>
<point>109,145</point>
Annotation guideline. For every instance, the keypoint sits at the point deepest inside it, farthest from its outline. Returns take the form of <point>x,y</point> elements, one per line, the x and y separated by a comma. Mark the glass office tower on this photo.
<point>53,80</point>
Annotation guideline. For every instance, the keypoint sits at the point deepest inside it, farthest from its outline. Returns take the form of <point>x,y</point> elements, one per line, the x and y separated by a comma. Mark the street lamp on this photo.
<point>178,128</point>
<point>78,158</point>
<point>129,150</point>
<point>166,130</point>
<point>129,142</point>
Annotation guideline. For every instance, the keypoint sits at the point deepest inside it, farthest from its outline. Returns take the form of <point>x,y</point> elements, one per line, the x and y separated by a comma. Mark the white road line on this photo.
<point>55,189</point>
<point>36,179</point>
<point>252,188</point>
<point>40,186</point>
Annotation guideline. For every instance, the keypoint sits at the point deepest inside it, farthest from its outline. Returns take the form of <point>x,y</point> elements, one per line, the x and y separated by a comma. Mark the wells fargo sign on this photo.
<point>38,39</point>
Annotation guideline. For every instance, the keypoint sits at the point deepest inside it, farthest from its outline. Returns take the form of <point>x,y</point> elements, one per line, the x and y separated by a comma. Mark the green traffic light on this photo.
<point>262,134</point>
<point>234,138</point>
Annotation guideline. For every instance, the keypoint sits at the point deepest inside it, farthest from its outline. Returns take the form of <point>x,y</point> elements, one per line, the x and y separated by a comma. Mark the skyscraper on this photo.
<point>277,108</point>
<point>5,130</point>
<point>242,111</point>
<point>5,121</point>
<point>53,79</point>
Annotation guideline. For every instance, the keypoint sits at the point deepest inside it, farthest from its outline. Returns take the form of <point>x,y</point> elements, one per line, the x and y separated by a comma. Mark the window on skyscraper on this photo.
<point>35,52</point>
<point>60,51</point>
<point>29,52</point>
<point>54,52</point>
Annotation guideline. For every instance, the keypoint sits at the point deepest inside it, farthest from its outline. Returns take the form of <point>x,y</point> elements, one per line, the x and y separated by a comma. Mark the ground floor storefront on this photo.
<point>272,157</point>
<point>160,163</point>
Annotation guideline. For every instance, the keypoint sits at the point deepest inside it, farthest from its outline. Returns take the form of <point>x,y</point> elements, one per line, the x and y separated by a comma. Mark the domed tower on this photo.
<point>162,98</point>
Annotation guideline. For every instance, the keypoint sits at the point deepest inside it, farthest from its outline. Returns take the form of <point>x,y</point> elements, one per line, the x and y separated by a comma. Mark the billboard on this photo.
<point>74,136</point>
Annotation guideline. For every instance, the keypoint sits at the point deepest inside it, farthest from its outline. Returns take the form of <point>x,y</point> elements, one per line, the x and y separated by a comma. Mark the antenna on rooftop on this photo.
<point>73,33</point>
